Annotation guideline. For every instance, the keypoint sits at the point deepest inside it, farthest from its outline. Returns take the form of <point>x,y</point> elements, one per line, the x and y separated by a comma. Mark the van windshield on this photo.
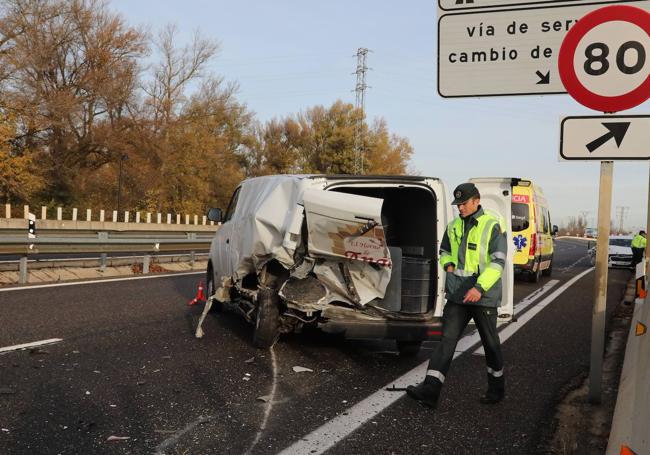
<point>520,217</point>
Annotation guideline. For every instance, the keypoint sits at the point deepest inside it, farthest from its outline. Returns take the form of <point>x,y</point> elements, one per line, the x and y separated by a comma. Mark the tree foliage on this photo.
<point>80,112</point>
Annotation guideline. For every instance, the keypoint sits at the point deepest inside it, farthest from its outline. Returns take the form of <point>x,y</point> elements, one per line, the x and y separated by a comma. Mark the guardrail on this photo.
<point>102,242</point>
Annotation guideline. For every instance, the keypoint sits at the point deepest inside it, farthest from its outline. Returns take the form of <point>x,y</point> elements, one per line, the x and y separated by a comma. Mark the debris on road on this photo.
<point>299,369</point>
<point>264,398</point>
<point>251,360</point>
<point>117,438</point>
<point>141,382</point>
<point>6,430</point>
<point>247,377</point>
<point>87,392</point>
<point>395,389</point>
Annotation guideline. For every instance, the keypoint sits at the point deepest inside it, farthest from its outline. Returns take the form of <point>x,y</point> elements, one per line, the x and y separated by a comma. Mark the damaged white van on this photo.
<point>354,255</point>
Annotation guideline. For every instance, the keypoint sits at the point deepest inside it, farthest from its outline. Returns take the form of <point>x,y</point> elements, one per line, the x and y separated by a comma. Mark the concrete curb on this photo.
<point>632,414</point>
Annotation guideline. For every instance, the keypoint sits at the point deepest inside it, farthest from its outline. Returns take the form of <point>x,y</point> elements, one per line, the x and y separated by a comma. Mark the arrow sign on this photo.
<point>543,78</point>
<point>616,131</point>
<point>626,138</point>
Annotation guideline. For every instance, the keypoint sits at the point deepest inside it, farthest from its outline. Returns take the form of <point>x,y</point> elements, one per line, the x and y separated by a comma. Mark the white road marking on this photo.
<point>567,268</point>
<point>269,404</point>
<point>30,345</point>
<point>107,280</point>
<point>519,308</point>
<point>331,433</point>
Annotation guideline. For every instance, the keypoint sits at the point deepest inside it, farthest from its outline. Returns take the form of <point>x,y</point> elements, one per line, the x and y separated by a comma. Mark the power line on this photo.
<point>360,103</point>
<point>621,214</point>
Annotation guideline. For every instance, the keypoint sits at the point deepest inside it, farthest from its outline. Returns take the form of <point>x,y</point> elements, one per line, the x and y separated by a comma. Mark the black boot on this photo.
<point>496,390</point>
<point>427,392</point>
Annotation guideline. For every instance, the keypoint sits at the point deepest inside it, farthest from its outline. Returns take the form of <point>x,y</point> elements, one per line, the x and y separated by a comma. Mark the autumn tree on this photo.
<point>20,177</point>
<point>324,140</point>
<point>74,68</point>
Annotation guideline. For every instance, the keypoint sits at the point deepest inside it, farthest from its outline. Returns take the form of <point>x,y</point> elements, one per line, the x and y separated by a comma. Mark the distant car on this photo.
<point>591,233</point>
<point>620,251</point>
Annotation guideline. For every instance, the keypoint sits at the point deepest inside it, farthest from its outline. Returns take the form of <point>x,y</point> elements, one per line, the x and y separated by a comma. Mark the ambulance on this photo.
<point>532,231</point>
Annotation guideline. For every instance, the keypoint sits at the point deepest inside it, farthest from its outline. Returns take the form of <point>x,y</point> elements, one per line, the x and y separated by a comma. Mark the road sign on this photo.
<point>605,137</point>
<point>604,60</point>
<point>505,52</point>
<point>451,5</point>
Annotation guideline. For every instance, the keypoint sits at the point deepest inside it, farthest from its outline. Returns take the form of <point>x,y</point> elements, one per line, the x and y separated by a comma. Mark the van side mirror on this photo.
<point>215,215</point>
<point>555,229</point>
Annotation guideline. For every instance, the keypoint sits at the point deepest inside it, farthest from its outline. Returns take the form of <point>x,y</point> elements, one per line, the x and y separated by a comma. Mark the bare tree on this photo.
<point>177,68</point>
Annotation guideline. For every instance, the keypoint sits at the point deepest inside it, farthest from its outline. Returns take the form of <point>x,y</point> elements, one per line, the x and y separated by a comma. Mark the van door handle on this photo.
<point>227,240</point>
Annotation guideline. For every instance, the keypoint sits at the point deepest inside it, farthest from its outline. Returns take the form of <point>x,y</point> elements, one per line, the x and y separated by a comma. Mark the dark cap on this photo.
<point>464,192</point>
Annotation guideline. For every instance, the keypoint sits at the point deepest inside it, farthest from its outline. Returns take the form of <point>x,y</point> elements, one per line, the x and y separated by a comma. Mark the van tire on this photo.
<point>408,348</point>
<point>267,321</point>
<point>217,306</point>
<point>533,277</point>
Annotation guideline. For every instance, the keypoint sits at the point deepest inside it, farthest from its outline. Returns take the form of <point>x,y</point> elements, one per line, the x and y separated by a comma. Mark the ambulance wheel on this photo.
<point>267,321</point>
<point>533,277</point>
<point>217,307</point>
<point>408,348</point>
<point>549,270</point>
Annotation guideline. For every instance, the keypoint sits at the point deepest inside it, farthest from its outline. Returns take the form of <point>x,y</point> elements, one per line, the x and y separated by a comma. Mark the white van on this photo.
<point>355,255</point>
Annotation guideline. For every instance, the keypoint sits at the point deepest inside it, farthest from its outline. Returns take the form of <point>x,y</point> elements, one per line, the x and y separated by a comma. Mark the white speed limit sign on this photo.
<point>604,61</point>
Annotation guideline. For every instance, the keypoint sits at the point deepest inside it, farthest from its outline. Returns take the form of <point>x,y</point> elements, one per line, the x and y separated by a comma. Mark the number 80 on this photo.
<point>620,58</point>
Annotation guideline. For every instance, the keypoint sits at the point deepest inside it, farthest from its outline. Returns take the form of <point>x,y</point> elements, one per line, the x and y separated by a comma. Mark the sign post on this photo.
<point>603,64</point>
<point>600,282</point>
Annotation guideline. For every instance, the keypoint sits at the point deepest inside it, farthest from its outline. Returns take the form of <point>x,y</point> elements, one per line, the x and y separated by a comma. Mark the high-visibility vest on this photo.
<point>474,259</point>
<point>639,241</point>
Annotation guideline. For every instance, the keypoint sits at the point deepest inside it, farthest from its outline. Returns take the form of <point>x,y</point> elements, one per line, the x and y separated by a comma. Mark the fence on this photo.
<point>100,216</point>
<point>69,236</point>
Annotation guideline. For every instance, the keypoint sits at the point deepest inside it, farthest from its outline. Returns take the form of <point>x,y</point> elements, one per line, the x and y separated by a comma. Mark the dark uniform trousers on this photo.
<point>455,319</point>
<point>637,255</point>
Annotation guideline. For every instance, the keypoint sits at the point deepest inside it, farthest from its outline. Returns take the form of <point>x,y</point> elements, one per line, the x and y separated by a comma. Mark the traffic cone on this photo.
<point>200,296</point>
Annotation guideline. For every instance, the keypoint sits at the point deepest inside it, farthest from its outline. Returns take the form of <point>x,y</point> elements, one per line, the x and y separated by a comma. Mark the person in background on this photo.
<point>638,247</point>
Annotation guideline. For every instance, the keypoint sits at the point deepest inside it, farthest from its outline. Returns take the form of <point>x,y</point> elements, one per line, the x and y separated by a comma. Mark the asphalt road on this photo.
<point>129,366</point>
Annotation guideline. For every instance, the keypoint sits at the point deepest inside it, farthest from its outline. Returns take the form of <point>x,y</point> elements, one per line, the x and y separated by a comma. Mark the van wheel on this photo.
<point>533,277</point>
<point>267,322</point>
<point>408,348</point>
<point>217,306</point>
<point>549,270</point>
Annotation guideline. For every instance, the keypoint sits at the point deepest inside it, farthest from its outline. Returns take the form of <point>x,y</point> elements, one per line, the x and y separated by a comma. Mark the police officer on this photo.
<point>638,247</point>
<point>473,254</point>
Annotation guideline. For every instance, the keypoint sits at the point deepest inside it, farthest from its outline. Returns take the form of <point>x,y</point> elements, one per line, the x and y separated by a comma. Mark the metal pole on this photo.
<point>119,188</point>
<point>119,185</point>
<point>145,264</point>
<point>647,230</point>
<point>22,276</point>
<point>600,282</point>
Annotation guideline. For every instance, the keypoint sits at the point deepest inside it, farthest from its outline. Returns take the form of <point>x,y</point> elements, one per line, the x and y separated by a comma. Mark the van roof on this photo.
<point>412,178</point>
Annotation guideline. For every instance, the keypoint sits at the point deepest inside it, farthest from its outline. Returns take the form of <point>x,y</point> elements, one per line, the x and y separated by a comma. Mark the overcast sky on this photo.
<point>291,55</point>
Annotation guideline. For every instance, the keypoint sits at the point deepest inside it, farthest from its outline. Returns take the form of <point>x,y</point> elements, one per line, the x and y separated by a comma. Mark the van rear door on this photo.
<point>345,226</point>
<point>496,196</point>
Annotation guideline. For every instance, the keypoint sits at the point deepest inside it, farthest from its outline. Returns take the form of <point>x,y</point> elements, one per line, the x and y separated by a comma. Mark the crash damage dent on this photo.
<point>345,257</point>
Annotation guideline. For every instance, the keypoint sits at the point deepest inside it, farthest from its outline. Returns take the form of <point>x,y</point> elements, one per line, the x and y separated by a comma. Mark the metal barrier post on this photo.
<point>192,236</point>
<point>22,278</point>
<point>103,237</point>
<point>145,264</point>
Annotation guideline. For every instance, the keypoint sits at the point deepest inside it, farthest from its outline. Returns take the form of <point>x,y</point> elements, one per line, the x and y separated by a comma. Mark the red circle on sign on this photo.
<point>576,89</point>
